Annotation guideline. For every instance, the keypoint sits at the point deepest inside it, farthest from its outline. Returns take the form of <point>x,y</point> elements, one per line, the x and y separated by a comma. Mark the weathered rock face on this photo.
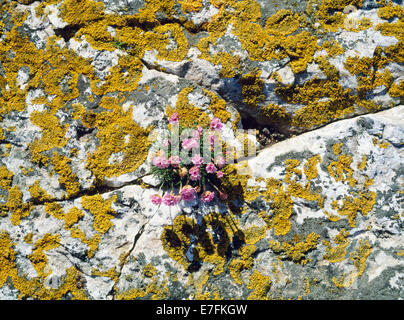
<point>84,83</point>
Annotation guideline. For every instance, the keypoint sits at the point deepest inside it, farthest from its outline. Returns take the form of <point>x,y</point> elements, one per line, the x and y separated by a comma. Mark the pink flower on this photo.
<point>194,173</point>
<point>156,199</point>
<point>216,124</point>
<point>171,200</point>
<point>161,162</point>
<point>189,144</point>
<point>174,161</point>
<point>210,168</point>
<point>174,118</point>
<point>197,160</point>
<point>220,162</point>
<point>207,196</point>
<point>212,140</point>
<point>188,193</point>
<point>197,133</point>
<point>219,174</point>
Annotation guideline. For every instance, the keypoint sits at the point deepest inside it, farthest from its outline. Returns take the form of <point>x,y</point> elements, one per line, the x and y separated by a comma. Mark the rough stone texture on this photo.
<point>316,216</point>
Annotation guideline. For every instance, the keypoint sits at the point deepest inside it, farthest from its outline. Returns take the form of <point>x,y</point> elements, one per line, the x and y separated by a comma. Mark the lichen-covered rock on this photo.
<point>85,84</point>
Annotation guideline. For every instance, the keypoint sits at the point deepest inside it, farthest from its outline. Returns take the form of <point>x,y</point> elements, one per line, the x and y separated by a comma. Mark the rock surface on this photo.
<point>318,215</point>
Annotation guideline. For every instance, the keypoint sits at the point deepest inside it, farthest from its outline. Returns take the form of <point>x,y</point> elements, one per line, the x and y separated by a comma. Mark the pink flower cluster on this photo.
<point>195,175</point>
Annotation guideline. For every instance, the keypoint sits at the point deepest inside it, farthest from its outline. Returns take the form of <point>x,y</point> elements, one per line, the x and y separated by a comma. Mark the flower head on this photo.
<point>216,124</point>
<point>174,118</point>
<point>188,193</point>
<point>197,160</point>
<point>161,162</point>
<point>219,174</point>
<point>189,144</point>
<point>156,199</point>
<point>171,200</point>
<point>182,171</point>
<point>196,134</point>
<point>194,173</point>
<point>207,196</point>
<point>174,161</point>
<point>220,162</point>
<point>210,168</point>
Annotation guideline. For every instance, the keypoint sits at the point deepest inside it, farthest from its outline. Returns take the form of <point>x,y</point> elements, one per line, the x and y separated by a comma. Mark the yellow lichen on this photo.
<point>337,254</point>
<point>101,211</point>
<point>359,257</point>
<point>282,23</point>
<point>66,177</point>
<point>6,178</point>
<point>260,285</point>
<point>296,252</point>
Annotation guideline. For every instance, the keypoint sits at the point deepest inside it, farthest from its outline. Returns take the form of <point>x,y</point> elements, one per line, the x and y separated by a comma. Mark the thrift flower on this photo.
<point>197,160</point>
<point>207,196</point>
<point>216,124</point>
<point>188,193</point>
<point>174,118</point>
<point>161,162</point>
<point>220,162</point>
<point>174,161</point>
<point>194,173</point>
<point>210,168</point>
<point>197,133</point>
<point>189,144</point>
<point>171,200</point>
<point>156,199</point>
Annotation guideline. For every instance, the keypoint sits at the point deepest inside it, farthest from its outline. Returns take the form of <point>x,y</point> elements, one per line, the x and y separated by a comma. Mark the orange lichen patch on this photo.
<point>390,11</point>
<point>155,287</point>
<point>7,257</point>
<point>282,23</point>
<point>367,72</point>
<point>6,178</point>
<point>101,211</point>
<point>341,170</point>
<point>333,48</point>
<point>38,194</point>
<point>53,135</point>
<point>245,262</point>
<point>363,202</point>
<point>217,106</point>
<point>301,49</point>
<point>66,177</point>
<point>337,253</point>
<point>92,243</point>
<point>147,14</point>
<point>281,206</point>
<point>359,258</point>
<point>177,238</point>
<point>190,5</point>
<point>71,217</point>
<point>15,52</point>
<point>260,285</point>
<point>38,257</point>
<point>15,206</point>
<point>296,252</point>
<point>189,115</point>
<point>310,167</point>
<point>123,144</point>
<point>81,12</point>
<point>252,87</point>
<point>275,113</point>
